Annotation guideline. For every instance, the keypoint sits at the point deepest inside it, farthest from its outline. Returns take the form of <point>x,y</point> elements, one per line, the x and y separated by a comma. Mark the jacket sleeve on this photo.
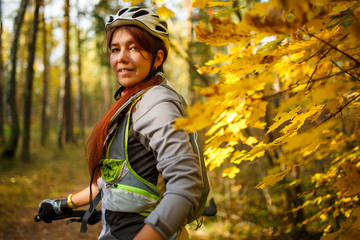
<point>153,119</point>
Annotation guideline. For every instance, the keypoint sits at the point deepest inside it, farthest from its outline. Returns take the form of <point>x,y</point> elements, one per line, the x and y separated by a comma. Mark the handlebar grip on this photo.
<point>76,214</point>
<point>210,210</point>
<point>96,216</point>
<point>37,218</point>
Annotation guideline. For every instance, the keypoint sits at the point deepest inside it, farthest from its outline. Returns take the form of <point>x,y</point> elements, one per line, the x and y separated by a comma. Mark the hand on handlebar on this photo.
<point>50,208</point>
<point>76,216</point>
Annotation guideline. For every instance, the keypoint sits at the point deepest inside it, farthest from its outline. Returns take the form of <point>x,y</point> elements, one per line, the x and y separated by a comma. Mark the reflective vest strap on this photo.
<point>88,213</point>
<point>126,151</point>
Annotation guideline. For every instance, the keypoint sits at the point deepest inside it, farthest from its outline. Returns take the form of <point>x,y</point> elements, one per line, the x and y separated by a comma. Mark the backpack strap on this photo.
<point>92,208</point>
<point>88,213</point>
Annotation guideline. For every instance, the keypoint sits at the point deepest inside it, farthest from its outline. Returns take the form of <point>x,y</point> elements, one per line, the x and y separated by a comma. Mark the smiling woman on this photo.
<point>129,61</point>
<point>146,172</point>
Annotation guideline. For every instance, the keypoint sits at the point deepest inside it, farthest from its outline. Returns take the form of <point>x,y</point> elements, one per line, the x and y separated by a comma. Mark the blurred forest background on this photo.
<point>273,88</point>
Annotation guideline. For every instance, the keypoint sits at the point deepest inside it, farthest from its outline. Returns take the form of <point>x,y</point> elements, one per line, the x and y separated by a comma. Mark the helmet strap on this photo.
<point>153,71</point>
<point>117,95</point>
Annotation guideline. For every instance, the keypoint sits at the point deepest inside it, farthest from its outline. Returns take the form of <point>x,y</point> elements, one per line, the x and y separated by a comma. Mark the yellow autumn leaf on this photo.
<point>299,119</point>
<point>209,3</point>
<point>200,3</point>
<point>249,64</point>
<point>230,172</point>
<point>349,183</point>
<point>323,217</point>
<point>216,156</point>
<point>274,21</point>
<point>333,106</point>
<point>340,6</point>
<point>305,140</point>
<point>272,179</point>
<point>281,118</point>
<point>239,157</point>
<point>201,113</point>
<point>251,140</point>
<point>322,93</point>
<point>318,23</point>
<point>223,31</point>
<point>164,12</point>
<point>134,2</point>
<point>219,3</point>
<point>258,111</point>
<point>237,126</point>
<point>218,138</point>
<point>256,152</point>
<point>300,76</point>
<point>321,2</point>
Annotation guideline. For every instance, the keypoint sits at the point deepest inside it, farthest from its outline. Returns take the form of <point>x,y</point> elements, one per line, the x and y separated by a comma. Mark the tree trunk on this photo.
<point>45,95</point>
<point>11,145</point>
<point>25,152</point>
<point>298,201</point>
<point>68,120</point>
<point>189,33</point>
<point>190,45</point>
<point>60,116</point>
<point>79,98</point>
<point>65,114</point>
<point>2,137</point>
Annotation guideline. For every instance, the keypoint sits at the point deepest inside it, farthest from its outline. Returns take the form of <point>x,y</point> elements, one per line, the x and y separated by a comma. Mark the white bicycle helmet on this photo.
<point>141,17</point>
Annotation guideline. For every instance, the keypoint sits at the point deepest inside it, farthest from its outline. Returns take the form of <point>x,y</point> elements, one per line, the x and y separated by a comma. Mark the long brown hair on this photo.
<point>94,145</point>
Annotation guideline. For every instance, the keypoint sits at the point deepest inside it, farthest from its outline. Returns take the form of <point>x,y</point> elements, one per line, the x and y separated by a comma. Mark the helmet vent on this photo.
<point>134,9</point>
<point>160,29</point>
<point>111,18</point>
<point>122,11</point>
<point>164,24</point>
<point>156,16</point>
<point>140,13</point>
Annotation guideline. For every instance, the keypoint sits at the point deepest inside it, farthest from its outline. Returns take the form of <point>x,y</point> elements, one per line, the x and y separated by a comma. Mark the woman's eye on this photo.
<point>132,48</point>
<point>114,50</point>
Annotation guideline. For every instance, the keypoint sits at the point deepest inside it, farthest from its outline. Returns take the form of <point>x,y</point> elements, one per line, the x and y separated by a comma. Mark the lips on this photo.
<point>124,70</point>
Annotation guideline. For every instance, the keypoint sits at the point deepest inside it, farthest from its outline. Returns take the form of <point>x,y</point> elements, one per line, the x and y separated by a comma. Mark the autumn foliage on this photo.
<point>288,98</point>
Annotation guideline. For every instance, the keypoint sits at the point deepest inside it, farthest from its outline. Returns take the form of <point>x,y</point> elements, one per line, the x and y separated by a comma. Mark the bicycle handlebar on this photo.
<point>77,215</point>
<point>96,215</point>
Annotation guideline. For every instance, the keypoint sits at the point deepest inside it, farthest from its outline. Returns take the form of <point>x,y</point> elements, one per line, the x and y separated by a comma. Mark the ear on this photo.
<point>159,58</point>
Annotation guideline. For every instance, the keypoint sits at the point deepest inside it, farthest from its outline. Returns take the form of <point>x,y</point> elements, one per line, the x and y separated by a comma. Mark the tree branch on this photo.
<point>345,71</point>
<point>317,64</point>
<point>295,86</point>
<point>340,109</point>
<point>334,47</point>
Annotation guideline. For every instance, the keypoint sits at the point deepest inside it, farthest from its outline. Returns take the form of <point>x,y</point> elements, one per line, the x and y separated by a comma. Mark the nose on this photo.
<point>122,56</point>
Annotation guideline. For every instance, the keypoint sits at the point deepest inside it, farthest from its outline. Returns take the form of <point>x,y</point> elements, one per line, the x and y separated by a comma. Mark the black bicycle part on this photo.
<point>210,210</point>
<point>76,216</point>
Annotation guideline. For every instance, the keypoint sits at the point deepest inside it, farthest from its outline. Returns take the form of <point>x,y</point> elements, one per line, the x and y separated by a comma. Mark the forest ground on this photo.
<point>50,174</point>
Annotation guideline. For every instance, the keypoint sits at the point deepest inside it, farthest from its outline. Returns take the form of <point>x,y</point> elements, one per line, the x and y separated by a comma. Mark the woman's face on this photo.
<point>129,62</point>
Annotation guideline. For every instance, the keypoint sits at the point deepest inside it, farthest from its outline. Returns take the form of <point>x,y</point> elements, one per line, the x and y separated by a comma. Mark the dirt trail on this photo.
<point>27,228</point>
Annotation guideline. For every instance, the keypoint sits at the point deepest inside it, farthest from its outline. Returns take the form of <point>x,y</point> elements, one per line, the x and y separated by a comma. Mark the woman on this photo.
<point>146,170</point>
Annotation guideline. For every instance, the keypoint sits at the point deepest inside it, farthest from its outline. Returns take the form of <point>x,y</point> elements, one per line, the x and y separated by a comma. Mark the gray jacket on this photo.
<point>155,147</point>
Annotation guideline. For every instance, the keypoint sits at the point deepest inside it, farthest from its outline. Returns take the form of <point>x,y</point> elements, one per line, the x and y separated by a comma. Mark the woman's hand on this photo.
<point>50,208</point>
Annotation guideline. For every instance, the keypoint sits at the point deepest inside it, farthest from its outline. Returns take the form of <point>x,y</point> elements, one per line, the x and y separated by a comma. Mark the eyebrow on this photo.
<point>117,44</point>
